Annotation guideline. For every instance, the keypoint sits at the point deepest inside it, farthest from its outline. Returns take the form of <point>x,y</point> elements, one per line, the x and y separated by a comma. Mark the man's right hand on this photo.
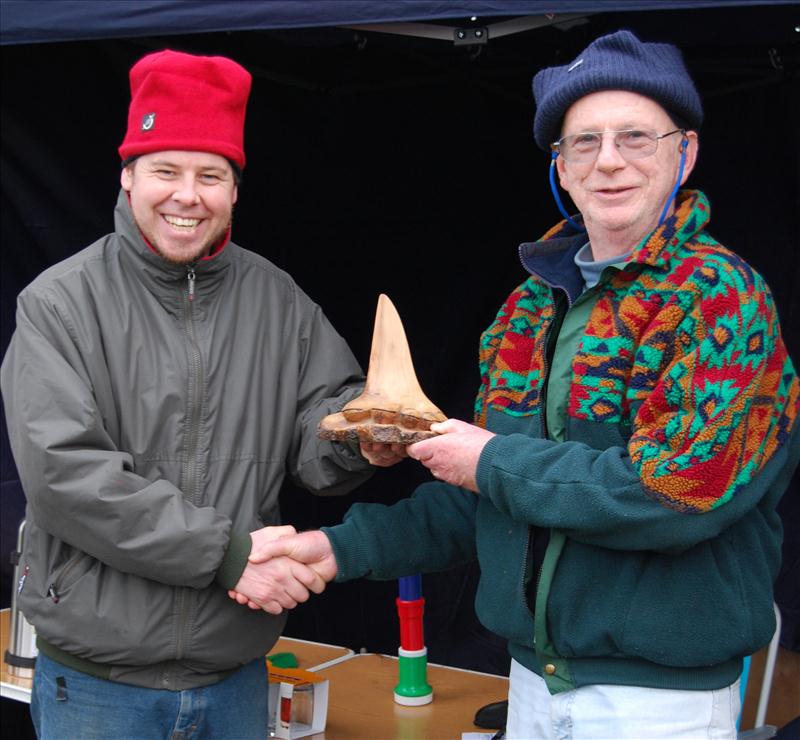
<point>272,532</point>
<point>278,582</point>
<point>312,548</point>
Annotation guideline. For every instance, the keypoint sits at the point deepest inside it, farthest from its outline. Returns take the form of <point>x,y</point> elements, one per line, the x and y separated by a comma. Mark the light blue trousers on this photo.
<point>70,705</point>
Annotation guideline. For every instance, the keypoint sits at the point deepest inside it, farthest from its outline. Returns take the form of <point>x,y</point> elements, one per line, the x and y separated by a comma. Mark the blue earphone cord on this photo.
<point>577,226</point>
<point>674,192</point>
<point>553,187</point>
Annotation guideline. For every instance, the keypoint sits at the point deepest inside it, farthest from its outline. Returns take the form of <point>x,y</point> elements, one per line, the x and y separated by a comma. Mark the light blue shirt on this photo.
<point>590,269</point>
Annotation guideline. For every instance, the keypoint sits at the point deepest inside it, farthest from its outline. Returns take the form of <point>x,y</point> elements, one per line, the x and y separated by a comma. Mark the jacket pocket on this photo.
<point>500,602</point>
<point>68,574</point>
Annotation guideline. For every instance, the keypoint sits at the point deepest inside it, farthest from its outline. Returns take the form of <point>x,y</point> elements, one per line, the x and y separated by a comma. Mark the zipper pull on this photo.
<point>190,277</point>
<point>21,582</point>
<point>53,594</point>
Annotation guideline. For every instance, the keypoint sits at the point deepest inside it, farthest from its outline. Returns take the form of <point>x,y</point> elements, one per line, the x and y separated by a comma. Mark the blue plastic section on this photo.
<point>410,588</point>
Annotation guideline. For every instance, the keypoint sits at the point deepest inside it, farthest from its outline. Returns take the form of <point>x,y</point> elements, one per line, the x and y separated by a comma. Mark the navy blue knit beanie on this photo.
<point>618,61</point>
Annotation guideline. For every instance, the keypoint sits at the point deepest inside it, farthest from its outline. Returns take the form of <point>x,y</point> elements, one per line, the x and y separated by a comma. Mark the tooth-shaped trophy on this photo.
<point>392,408</point>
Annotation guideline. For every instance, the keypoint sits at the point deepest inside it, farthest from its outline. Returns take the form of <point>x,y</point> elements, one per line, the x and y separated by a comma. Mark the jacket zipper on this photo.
<point>190,279</point>
<point>548,352</point>
<point>54,587</point>
<point>191,476</point>
<point>195,393</point>
<point>529,547</point>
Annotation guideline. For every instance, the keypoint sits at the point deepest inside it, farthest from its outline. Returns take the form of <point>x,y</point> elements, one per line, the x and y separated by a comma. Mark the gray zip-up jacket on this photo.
<point>152,434</point>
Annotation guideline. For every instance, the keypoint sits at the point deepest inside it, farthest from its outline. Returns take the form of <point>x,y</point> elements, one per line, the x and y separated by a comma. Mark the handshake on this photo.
<point>283,568</point>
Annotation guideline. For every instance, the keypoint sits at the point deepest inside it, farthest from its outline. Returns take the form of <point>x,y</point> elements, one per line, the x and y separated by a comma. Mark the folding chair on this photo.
<point>761,730</point>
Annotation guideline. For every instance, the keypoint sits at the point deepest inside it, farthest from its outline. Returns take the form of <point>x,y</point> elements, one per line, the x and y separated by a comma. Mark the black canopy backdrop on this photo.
<point>390,149</point>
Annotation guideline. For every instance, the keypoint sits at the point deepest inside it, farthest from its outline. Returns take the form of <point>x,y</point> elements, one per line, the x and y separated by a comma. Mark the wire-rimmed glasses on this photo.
<point>630,143</point>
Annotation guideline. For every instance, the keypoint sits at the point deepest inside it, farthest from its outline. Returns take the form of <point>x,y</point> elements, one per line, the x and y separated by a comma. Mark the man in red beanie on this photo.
<point>159,386</point>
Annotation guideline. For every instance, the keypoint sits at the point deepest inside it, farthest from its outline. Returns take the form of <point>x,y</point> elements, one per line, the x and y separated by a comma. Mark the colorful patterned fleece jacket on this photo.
<point>642,548</point>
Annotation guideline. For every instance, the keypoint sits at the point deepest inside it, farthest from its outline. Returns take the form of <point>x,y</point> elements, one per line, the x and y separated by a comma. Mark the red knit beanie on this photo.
<point>187,102</point>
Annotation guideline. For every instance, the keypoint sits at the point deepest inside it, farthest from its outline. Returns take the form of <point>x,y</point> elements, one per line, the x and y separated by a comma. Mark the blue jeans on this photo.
<point>70,705</point>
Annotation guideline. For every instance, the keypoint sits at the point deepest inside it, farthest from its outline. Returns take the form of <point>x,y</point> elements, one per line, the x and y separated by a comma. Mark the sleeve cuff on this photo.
<point>345,545</point>
<point>482,474</point>
<point>234,561</point>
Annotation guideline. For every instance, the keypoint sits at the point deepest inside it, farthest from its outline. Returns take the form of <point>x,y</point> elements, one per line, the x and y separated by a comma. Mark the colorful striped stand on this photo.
<point>413,688</point>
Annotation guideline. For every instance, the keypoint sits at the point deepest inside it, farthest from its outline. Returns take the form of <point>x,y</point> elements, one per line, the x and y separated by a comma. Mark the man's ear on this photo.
<point>562,172</point>
<point>692,149</point>
<point>126,178</point>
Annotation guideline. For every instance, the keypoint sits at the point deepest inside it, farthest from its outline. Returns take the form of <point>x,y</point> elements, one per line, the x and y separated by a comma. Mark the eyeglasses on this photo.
<point>631,144</point>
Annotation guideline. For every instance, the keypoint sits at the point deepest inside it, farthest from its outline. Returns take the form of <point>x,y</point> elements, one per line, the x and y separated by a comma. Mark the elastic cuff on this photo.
<point>234,561</point>
<point>485,464</point>
<point>346,548</point>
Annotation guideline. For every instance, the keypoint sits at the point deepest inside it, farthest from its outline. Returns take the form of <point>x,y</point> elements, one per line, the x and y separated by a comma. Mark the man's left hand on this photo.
<point>453,455</point>
<point>383,455</point>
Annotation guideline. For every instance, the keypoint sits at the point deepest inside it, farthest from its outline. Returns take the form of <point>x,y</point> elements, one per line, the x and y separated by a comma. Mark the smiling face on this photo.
<point>621,201</point>
<point>182,201</point>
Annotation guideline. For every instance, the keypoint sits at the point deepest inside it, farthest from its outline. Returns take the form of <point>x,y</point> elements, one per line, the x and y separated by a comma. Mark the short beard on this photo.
<point>180,261</point>
<point>184,261</point>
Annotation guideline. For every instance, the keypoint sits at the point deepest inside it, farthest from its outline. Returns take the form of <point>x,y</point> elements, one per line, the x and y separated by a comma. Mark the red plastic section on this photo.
<point>411,633</point>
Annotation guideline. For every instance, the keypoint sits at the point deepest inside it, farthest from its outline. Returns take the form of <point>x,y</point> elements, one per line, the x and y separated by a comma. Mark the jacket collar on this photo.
<point>161,277</point>
<point>551,258</point>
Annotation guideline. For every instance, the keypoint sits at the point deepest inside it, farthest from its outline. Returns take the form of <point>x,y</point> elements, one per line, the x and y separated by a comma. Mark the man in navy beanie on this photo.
<point>635,428</point>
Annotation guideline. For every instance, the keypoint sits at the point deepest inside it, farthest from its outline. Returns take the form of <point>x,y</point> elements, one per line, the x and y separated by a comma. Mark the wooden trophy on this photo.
<point>392,408</point>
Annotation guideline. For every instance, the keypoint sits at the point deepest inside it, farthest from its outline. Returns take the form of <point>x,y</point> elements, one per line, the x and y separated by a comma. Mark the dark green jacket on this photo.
<point>642,549</point>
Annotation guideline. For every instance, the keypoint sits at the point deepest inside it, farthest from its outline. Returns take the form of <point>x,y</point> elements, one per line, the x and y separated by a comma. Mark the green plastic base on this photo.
<point>413,677</point>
